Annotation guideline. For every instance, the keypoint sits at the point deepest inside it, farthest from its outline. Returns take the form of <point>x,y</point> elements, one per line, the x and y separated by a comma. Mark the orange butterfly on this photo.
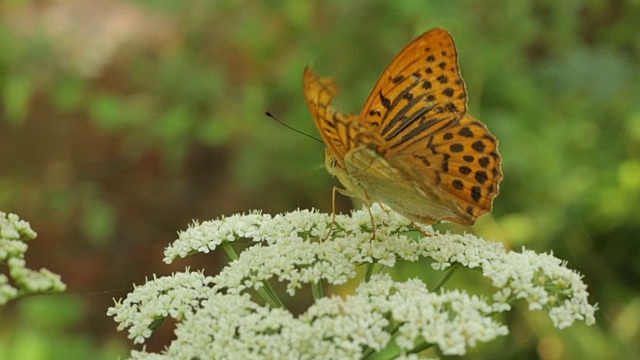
<point>413,147</point>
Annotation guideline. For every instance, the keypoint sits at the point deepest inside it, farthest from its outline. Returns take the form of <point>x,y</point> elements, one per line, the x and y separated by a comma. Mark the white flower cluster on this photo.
<point>169,296</point>
<point>231,326</point>
<point>13,236</point>
<point>217,319</point>
<point>542,280</point>
<point>288,247</point>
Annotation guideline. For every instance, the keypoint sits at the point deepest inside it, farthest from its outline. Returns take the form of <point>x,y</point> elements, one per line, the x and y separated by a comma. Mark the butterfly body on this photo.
<point>413,147</point>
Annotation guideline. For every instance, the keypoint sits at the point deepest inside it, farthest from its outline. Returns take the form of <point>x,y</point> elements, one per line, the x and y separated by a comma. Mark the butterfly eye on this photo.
<point>334,162</point>
<point>330,160</point>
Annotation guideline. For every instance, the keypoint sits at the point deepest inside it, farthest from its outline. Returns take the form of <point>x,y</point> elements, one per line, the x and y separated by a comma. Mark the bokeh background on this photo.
<point>121,121</point>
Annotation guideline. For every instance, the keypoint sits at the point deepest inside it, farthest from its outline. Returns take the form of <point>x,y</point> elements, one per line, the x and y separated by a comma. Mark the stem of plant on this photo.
<point>266,291</point>
<point>317,290</point>
<point>369,272</point>
<point>421,347</point>
<point>446,278</point>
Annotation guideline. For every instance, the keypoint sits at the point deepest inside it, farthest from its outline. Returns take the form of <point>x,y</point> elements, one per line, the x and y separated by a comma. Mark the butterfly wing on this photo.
<point>372,176</point>
<point>413,147</point>
<point>419,109</point>
<point>462,160</point>
<point>340,132</point>
<point>332,125</point>
<point>420,92</point>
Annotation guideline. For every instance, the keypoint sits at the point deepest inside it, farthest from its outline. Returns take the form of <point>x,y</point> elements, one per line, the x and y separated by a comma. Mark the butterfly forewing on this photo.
<point>420,92</point>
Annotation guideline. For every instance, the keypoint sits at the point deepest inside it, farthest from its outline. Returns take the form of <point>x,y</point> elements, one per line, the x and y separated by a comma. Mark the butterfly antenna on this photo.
<point>294,129</point>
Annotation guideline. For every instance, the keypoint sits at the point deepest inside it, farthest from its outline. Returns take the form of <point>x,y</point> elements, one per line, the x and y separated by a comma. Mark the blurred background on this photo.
<point>121,121</point>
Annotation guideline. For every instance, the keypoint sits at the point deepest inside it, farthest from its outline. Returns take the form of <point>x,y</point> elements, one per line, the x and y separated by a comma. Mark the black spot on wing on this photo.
<point>385,101</point>
<point>476,193</point>
<point>448,92</point>
<point>478,146</point>
<point>481,177</point>
<point>398,79</point>
<point>450,107</point>
<point>442,79</point>
<point>456,148</point>
<point>445,163</point>
<point>465,132</point>
<point>484,161</point>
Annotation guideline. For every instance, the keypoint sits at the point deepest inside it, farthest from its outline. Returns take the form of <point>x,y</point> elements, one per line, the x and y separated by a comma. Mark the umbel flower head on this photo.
<point>21,281</point>
<point>217,319</point>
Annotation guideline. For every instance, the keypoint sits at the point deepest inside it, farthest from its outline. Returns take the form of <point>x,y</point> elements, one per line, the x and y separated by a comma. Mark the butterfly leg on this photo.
<point>373,222</point>
<point>333,212</point>
<point>421,230</point>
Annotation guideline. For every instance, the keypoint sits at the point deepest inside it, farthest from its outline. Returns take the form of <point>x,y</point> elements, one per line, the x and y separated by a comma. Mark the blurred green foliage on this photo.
<point>121,121</point>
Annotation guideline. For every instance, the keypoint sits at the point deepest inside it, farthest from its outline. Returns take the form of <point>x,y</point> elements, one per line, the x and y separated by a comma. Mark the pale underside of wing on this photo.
<point>373,179</point>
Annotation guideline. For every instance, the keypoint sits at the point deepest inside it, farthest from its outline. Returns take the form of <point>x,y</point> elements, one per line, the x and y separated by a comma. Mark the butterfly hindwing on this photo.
<point>463,160</point>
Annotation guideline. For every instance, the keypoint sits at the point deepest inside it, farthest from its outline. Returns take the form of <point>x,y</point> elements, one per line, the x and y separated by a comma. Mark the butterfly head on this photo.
<point>331,161</point>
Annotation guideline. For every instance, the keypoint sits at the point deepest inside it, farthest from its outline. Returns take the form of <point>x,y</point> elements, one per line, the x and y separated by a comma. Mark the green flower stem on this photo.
<point>270,296</point>
<point>266,291</point>
<point>446,278</point>
<point>229,250</point>
<point>369,272</point>
<point>420,347</point>
<point>317,290</point>
<point>369,351</point>
<point>366,353</point>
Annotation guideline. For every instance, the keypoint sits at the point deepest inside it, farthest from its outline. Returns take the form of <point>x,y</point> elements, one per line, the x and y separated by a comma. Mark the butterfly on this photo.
<point>413,147</point>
